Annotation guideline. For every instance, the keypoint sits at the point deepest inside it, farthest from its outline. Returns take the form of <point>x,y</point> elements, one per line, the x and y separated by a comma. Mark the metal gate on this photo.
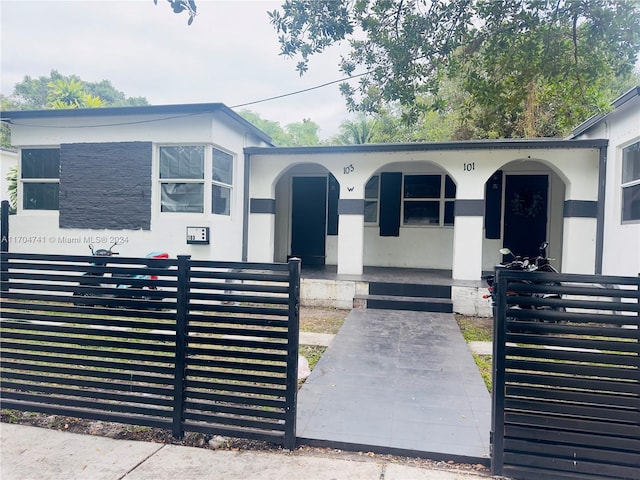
<point>566,400</point>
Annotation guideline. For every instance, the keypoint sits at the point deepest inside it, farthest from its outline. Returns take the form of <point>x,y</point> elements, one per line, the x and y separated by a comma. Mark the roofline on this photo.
<point>178,109</point>
<point>432,146</point>
<point>617,103</point>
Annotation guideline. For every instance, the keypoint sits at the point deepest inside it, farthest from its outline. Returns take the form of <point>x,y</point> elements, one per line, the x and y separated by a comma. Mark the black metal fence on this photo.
<point>566,376</point>
<point>171,343</point>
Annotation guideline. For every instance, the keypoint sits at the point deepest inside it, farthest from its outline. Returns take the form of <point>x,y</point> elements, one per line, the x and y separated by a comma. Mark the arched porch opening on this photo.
<point>524,202</point>
<point>409,216</point>
<point>306,215</point>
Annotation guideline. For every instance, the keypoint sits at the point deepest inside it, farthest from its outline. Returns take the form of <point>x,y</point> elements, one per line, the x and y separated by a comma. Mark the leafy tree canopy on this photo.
<point>296,134</point>
<point>42,93</point>
<point>521,68</point>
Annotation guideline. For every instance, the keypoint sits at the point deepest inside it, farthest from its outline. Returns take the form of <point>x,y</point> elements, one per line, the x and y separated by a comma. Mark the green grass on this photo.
<point>478,329</point>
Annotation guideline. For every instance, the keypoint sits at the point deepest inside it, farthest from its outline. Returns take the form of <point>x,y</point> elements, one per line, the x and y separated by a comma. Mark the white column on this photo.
<point>579,245</point>
<point>351,243</point>
<point>467,248</point>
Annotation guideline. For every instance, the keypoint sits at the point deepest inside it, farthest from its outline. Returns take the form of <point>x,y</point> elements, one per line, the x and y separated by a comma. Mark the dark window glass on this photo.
<point>40,163</point>
<point>422,213</point>
<point>221,200</point>
<point>631,203</point>
<point>182,162</point>
<point>449,188</point>
<point>631,163</point>
<point>182,197</point>
<point>372,187</point>
<point>422,186</point>
<point>448,213</point>
<point>40,196</point>
<point>370,211</point>
<point>222,167</point>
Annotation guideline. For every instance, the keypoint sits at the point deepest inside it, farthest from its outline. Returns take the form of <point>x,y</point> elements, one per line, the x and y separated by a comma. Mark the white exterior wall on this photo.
<point>621,248</point>
<point>38,231</point>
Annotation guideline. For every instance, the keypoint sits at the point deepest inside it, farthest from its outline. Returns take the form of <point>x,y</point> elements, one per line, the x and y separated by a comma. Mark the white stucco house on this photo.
<point>199,180</point>
<point>621,228</point>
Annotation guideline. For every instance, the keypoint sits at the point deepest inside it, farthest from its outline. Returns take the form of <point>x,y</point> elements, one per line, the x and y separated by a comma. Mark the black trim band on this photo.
<point>262,205</point>
<point>580,209</point>
<point>350,206</point>
<point>469,208</point>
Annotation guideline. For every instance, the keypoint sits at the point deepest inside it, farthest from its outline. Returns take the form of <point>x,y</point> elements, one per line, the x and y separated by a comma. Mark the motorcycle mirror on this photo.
<point>505,251</point>
<point>544,246</point>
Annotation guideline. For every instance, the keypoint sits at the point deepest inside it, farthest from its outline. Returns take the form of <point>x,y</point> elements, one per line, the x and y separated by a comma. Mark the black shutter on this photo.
<point>493,206</point>
<point>332,206</point>
<point>390,203</point>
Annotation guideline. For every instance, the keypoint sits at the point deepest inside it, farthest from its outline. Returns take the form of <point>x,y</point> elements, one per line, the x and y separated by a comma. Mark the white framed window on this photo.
<point>40,177</point>
<point>371,199</point>
<point>428,200</point>
<point>222,182</point>
<point>631,183</point>
<point>182,178</point>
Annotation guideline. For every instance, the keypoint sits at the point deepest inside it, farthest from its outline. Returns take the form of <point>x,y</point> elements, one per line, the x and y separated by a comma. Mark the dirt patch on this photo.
<point>322,320</point>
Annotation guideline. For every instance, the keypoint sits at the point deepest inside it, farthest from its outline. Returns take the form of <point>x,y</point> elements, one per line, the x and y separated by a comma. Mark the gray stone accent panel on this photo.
<point>469,208</point>
<point>106,185</point>
<point>580,209</point>
<point>348,206</point>
<point>262,205</point>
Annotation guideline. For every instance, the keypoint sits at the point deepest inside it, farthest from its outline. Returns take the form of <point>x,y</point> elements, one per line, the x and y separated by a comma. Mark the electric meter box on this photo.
<point>198,235</point>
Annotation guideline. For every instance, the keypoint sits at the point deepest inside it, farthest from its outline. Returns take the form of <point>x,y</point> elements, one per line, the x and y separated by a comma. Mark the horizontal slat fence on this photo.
<point>170,343</point>
<point>566,376</point>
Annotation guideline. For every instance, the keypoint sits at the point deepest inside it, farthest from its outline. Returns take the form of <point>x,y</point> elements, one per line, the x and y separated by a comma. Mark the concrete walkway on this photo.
<point>31,453</point>
<point>400,380</point>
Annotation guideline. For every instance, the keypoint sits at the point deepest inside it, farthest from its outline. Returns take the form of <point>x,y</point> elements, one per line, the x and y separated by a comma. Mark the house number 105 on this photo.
<point>467,167</point>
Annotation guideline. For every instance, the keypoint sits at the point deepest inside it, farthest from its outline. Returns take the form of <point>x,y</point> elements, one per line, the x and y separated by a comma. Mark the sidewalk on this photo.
<point>38,454</point>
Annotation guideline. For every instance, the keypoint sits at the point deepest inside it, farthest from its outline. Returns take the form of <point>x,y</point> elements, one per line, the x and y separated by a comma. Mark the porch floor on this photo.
<point>387,274</point>
<point>397,382</point>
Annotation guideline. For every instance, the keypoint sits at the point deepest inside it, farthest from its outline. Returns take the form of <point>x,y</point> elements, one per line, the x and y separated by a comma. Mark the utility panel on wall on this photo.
<point>198,235</point>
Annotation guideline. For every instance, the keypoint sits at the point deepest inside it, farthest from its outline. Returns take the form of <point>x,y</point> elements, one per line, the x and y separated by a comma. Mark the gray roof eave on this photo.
<point>432,146</point>
<point>179,109</point>
<point>596,119</point>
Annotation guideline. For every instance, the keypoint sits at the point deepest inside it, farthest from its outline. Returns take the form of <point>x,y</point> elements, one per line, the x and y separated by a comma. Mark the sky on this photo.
<point>230,54</point>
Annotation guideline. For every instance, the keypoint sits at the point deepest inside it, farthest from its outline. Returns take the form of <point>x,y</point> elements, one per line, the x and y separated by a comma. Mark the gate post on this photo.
<point>4,245</point>
<point>293,340</point>
<point>498,393</point>
<point>182,310</point>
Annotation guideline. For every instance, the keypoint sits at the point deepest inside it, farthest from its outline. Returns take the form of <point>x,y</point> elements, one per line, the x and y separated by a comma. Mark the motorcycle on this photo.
<point>540,263</point>
<point>98,270</point>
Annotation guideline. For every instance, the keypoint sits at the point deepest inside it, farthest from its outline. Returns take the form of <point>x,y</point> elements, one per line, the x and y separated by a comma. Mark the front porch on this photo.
<point>322,285</point>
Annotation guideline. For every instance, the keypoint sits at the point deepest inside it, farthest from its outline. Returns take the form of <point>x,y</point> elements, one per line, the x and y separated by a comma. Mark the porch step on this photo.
<point>410,290</point>
<point>395,302</point>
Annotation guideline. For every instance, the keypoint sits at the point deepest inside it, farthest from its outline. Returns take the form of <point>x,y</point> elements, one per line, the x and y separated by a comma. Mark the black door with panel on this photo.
<point>525,213</point>
<point>309,219</point>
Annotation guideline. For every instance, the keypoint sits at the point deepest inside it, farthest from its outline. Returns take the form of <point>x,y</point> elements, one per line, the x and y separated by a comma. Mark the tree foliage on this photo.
<point>39,93</point>
<point>296,134</point>
<point>524,68</point>
<point>179,6</point>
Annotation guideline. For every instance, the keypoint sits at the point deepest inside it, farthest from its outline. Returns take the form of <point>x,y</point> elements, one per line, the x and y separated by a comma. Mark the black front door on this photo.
<point>309,219</point>
<point>525,213</point>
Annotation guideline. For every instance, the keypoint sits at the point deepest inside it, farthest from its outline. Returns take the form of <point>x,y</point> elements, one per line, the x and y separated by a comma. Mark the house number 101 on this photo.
<point>467,167</point>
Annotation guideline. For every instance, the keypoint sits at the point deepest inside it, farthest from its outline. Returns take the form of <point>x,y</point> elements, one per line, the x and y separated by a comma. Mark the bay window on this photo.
<point>183,172</point>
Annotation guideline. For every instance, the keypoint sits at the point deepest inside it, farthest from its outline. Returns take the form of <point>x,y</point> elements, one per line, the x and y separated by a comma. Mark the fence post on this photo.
<point>182,307</point>
<point>4,245</point>
<point>293,340</point>
<point>498,395</point>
